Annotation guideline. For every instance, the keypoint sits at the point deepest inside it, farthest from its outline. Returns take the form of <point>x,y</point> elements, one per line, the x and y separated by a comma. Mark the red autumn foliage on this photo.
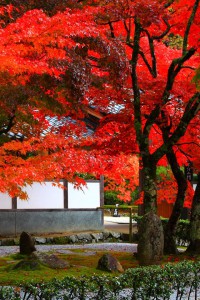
<point>55,62</point>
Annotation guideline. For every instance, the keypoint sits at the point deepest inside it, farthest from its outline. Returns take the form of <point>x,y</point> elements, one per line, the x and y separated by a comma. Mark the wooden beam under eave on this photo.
<point>93,112</point>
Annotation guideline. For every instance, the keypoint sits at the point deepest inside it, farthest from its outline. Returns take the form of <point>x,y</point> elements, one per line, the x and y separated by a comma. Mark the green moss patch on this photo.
<point>82,263</point>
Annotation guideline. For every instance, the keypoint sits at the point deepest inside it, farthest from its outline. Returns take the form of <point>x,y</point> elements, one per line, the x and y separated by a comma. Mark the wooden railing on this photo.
<point>130,210</point>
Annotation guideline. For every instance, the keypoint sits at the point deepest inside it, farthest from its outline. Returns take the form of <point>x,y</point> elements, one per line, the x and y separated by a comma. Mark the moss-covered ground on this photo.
<point>82,262</point>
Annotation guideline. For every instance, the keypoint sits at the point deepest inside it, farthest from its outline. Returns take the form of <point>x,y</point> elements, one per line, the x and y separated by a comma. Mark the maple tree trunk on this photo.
<point>151,237</point>
<point>194,246</point>
<point>170,229</point>
<point>150,222</point>
<point>149,187</point>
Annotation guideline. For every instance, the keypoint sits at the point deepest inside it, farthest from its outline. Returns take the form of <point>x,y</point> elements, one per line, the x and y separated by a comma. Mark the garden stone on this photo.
<point>116,235</point>
<point>27,265</point>
<point>40,240</point>
<point>106,235</point>
<point>73,238</point>
<point>97,236</point>
<point>26,244</point>
<point>110,264</point>
<point>151,240</point>
<point>50,260</point>
<point>85,237</point>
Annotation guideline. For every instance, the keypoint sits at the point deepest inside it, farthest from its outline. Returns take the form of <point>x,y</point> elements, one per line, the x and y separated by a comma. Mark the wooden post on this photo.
<point>130,226</point>
<point>65,193</point>
<point>14,203</point>
<point>101,182</point>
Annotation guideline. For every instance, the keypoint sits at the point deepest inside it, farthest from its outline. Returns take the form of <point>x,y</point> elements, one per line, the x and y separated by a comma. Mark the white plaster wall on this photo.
<point>42,196</point>
<point>87,197</point>
<point>5,201</point>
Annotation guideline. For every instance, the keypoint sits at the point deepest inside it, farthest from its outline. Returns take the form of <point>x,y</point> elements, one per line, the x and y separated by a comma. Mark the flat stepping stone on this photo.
<point>27,265</point>
<point>50,260</point>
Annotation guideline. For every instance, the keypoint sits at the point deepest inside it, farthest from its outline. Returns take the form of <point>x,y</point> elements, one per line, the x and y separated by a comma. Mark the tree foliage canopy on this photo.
<point>137,62</point>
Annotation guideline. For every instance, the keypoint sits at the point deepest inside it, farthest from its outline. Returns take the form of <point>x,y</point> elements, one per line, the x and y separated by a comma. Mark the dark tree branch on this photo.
<point>153,69</point>
<point>111,29</point>
<point>136,89</point>
<point>192,108</point>
<point>189,24</point>
<point>169,3</point>
<point>108,22</point>
<point>184,153</point>
<point>169,243</point>
<point>173,71</point>
<point>147,64</point>
<point>7,127</point>
<point>180,61</point>
<point>193,247</point>
<point>188,67</point>
<point>190,112</point>
<point>151,120</point>
<point>158,37</point>
<point>189,143</point>
<point>128,31</point>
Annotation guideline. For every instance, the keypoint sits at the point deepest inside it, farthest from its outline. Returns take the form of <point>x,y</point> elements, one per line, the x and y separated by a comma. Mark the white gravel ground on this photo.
<point>123,247</point>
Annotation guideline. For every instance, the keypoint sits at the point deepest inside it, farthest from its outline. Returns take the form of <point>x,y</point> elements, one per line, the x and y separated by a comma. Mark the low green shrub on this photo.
<point>111,198</point>
<point>161,282</point>
<point>61,240</point>
<point>182,230</point>
<point>154,282</point>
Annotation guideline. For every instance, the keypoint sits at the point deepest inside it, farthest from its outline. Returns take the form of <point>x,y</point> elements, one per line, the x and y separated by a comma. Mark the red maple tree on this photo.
<point>133,61</point>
